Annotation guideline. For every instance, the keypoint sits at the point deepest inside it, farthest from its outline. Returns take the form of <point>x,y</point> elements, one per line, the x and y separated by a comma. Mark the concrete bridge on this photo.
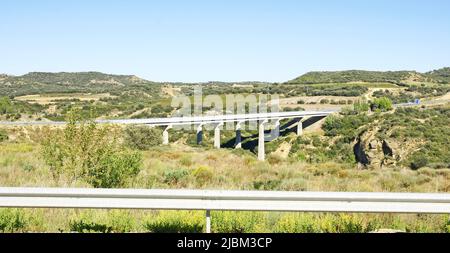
<point>217,122</point>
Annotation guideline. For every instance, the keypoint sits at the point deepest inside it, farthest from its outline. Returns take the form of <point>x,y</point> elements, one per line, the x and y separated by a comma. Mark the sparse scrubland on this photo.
<point>313,164</point>
<point>368,147</point>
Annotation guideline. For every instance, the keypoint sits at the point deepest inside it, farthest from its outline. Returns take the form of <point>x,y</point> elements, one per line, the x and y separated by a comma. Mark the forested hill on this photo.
<point>92,82</point>
<point>96,82</point>
<point>440,75</point>
<point>80,78</point>
<point>87,82</point>
<point>397,77</point>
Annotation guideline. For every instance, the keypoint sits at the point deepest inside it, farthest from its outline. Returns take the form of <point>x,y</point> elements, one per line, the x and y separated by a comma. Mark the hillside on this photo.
<point>80,78</point>
<point>96,82</point>
<point>440,75</point>
<point>396,77</point>
<point>93,82</point>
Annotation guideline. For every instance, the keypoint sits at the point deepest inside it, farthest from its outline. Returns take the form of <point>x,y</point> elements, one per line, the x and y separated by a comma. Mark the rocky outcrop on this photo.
<point>372,152</point>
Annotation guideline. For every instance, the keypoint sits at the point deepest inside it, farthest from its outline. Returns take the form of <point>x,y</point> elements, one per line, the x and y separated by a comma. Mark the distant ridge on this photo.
<point>80,78</point>
<point>96,82</point>
<point>440,75</point>
<point>397,77</point>
<point>64,82</point>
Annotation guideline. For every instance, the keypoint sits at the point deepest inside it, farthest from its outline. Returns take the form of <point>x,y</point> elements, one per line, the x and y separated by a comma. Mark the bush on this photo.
<point>324,101</point>
<point>116,221</point>
<point>5,105</point>
<point>121,221</point>
<point>267,185</point>
<point>12,220</point>
<point>383,104</point>
<point>82,226</point>
<point>113,170</point>
<point>202,175</point>
<point>142,137</point>
<point>3,135</point>
<point>176,222</point>
<point>325,223</point>
<point>238,222</point>
<point>419,161</point>
<point>85,151</point>
<point>446,227</point>
<point>360,106</point>
<point>173,177</point>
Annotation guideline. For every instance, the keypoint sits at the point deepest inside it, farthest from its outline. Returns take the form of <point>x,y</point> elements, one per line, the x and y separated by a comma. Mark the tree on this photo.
<point>361,106</point>
<point>83,150</point>
<point>142,137</point>
<point>5,105</point>
<point>383,104</point>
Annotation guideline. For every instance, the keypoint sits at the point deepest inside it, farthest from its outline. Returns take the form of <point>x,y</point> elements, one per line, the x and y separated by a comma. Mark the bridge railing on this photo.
<point>190,120</point>
<point>225,200</point>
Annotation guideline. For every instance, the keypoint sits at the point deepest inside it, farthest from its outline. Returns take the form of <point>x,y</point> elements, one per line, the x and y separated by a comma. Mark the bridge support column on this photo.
<point>276,130</point>
<point>217,135</point>
<point>261,141</point>
<point>238,143</point>
<point>199,134</point>
<point>300,127</point>
<point>166,135</point>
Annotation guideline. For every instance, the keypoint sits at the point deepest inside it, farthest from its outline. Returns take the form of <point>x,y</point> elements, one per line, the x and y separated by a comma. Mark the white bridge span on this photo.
<point>217,121</point>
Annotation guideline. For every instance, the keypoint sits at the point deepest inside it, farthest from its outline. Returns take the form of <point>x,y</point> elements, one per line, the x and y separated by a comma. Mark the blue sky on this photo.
<point>227,40</point>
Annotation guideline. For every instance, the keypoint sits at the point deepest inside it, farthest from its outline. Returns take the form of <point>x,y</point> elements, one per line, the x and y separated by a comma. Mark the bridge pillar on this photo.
<point>217,135</point>
<point>200,134</point>
<point>166,135</point>
<point>238,143</point>
<point>300,127</point>
<point>261,141</point>
<point>276,130</point>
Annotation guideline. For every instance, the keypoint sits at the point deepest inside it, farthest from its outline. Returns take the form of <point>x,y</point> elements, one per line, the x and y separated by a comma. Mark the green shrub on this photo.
<point>324,101</point>
<point>270,184</point>
<point>383,104</point>
<point>419,161</point>
<point>347,127</point>
<point>121,221</point>
<point>28,167</point>
<point>324,223</point>
<point>360,106</point>
<point>446,227</point>
<point>12,220</point>
<point>175,222</point>
<point>238,222</point>
<point>82,226</point>
<point>83,150</point>
<point>116,221</point>
<point>5,105</point>
<point>202,175</point>
<point>142,137</point>
<point>297,223</point>
<point>173,177</point>
<point>3,135</point>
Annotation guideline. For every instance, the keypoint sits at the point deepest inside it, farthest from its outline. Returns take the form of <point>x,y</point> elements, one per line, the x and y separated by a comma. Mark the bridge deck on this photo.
<point>189,120</point>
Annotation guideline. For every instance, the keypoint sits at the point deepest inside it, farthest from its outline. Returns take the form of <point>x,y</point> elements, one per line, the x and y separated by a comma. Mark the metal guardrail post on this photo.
<point>208,221</point>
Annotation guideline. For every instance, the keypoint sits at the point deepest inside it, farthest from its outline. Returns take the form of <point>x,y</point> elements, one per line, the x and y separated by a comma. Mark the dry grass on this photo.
<point>54,98</point>
<point>191,168</point>
<point>21,165</point>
